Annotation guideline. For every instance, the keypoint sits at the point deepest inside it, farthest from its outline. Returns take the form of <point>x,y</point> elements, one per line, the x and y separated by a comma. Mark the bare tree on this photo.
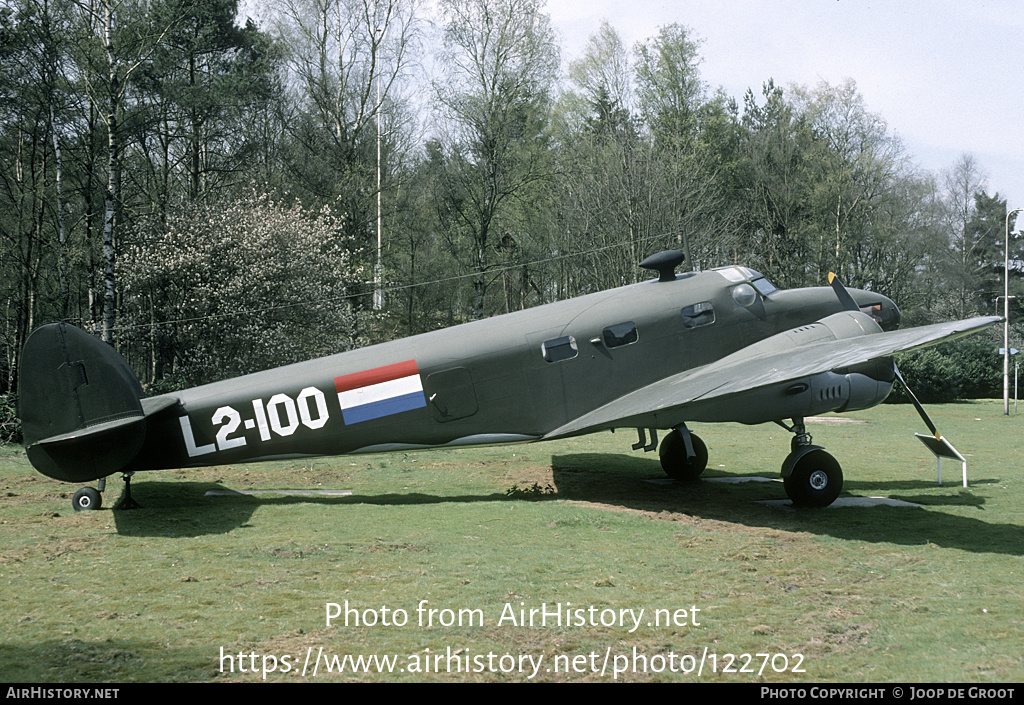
<point>119,39</point>
<point>346,57</point>
<point>501,60</point>
<point>347,65</point>
<point>963,264</point>
<point>603,72</point>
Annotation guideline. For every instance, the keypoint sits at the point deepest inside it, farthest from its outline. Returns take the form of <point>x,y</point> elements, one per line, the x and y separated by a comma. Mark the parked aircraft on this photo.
<point>722,345</point>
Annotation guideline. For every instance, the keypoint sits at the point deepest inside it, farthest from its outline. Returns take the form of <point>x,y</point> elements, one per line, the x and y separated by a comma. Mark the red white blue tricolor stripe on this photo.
<point>380,392</point>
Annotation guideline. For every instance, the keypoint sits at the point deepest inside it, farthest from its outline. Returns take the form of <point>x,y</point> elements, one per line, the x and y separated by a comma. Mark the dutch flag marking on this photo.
<point>382,391</point>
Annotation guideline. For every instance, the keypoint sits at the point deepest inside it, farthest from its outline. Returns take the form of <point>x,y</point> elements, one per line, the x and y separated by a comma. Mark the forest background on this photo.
<point>202,192</point>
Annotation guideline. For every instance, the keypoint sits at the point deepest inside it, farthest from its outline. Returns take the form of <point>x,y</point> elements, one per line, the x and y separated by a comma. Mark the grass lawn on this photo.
<point>441,556</point>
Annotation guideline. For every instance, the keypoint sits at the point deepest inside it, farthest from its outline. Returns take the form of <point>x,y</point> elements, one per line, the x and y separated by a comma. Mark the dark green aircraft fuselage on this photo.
<point>542,373</point>
<point>718,346</point>
<point>513,378</point>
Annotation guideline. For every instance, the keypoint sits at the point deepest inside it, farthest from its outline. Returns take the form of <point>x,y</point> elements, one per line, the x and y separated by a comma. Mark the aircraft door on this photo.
<point>450,394</point>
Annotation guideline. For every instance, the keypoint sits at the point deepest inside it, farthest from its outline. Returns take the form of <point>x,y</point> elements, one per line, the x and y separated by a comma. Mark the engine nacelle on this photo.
<point>850,389</point>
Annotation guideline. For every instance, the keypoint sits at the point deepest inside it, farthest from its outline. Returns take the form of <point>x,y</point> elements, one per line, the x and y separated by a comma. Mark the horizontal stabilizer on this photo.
<point>80,405</point>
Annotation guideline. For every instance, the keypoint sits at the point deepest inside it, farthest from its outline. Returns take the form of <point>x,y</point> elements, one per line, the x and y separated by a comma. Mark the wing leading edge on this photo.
<point>710,392</point>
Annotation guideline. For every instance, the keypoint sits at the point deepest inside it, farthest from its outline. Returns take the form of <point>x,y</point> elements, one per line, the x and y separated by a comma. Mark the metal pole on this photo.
<point>1006,316</point>
<point>378,269</point>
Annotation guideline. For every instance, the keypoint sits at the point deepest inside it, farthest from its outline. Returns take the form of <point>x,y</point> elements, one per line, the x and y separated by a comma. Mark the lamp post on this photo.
<point>1006,316</point>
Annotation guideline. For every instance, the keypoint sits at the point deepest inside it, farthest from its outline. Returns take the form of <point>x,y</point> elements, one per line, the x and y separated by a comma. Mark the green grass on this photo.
<point>863,594</point>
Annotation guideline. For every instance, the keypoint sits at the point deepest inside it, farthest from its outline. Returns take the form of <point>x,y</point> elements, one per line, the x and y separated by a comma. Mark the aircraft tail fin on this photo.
<point>80,405</point>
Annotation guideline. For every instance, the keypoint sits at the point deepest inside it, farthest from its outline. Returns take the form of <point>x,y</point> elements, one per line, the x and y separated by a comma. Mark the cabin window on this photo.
<point>620,334</point>
<point>559,349</point>
<point>702,314</point>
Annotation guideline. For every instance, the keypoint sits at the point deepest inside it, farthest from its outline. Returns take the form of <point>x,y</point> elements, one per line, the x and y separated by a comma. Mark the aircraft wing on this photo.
<point>782,358</point>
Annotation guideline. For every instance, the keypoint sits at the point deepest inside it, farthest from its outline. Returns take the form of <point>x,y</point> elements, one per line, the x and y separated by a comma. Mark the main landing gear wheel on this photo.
<point>674,461</point>
<point>86,499</point>
<point>815,481</point>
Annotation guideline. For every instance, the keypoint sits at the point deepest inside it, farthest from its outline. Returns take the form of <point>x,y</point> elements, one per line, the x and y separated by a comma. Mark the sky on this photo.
<point>946,76</point>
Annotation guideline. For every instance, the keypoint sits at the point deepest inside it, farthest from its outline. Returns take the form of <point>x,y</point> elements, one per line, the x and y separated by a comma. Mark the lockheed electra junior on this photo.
<point>712,346</point>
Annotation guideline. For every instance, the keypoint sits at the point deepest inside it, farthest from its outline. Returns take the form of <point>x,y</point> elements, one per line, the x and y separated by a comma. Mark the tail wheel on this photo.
<point>674,461</point>
<point>816,480</point>
<point>86,499</point>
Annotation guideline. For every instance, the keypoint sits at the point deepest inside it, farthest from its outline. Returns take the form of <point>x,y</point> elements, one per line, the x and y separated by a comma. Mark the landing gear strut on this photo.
<point>683,455</point>
<point>811,476</point>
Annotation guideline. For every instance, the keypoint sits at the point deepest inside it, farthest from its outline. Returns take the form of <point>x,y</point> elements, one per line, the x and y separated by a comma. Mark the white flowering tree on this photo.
<point>225,289</point>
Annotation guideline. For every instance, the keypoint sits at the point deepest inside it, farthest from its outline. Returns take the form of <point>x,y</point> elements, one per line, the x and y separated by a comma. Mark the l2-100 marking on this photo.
<point>280,416</point>
<point>362,396</point>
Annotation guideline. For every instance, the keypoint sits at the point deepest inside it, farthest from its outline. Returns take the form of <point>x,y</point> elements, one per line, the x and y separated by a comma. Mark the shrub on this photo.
<point>969,368</point>
<point>220,290</point>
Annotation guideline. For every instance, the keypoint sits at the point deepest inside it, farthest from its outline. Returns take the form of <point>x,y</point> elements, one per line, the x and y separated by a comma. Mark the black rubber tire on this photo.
<point>87,499</point>
<point>674,461</point>
<point>816,480</point>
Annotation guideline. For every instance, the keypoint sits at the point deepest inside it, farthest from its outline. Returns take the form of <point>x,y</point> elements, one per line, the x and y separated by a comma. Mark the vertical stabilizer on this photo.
<point>80,405</point>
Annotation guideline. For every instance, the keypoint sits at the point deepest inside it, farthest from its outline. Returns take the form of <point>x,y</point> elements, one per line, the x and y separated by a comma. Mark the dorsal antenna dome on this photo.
<point>665,263</point>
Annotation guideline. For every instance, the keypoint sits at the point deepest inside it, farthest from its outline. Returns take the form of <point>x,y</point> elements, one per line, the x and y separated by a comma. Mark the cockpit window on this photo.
<point>742,275</point>
<point>734,274</point>
<point>744,295</point>
<point>764,287</point>
<point>888,317</point>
